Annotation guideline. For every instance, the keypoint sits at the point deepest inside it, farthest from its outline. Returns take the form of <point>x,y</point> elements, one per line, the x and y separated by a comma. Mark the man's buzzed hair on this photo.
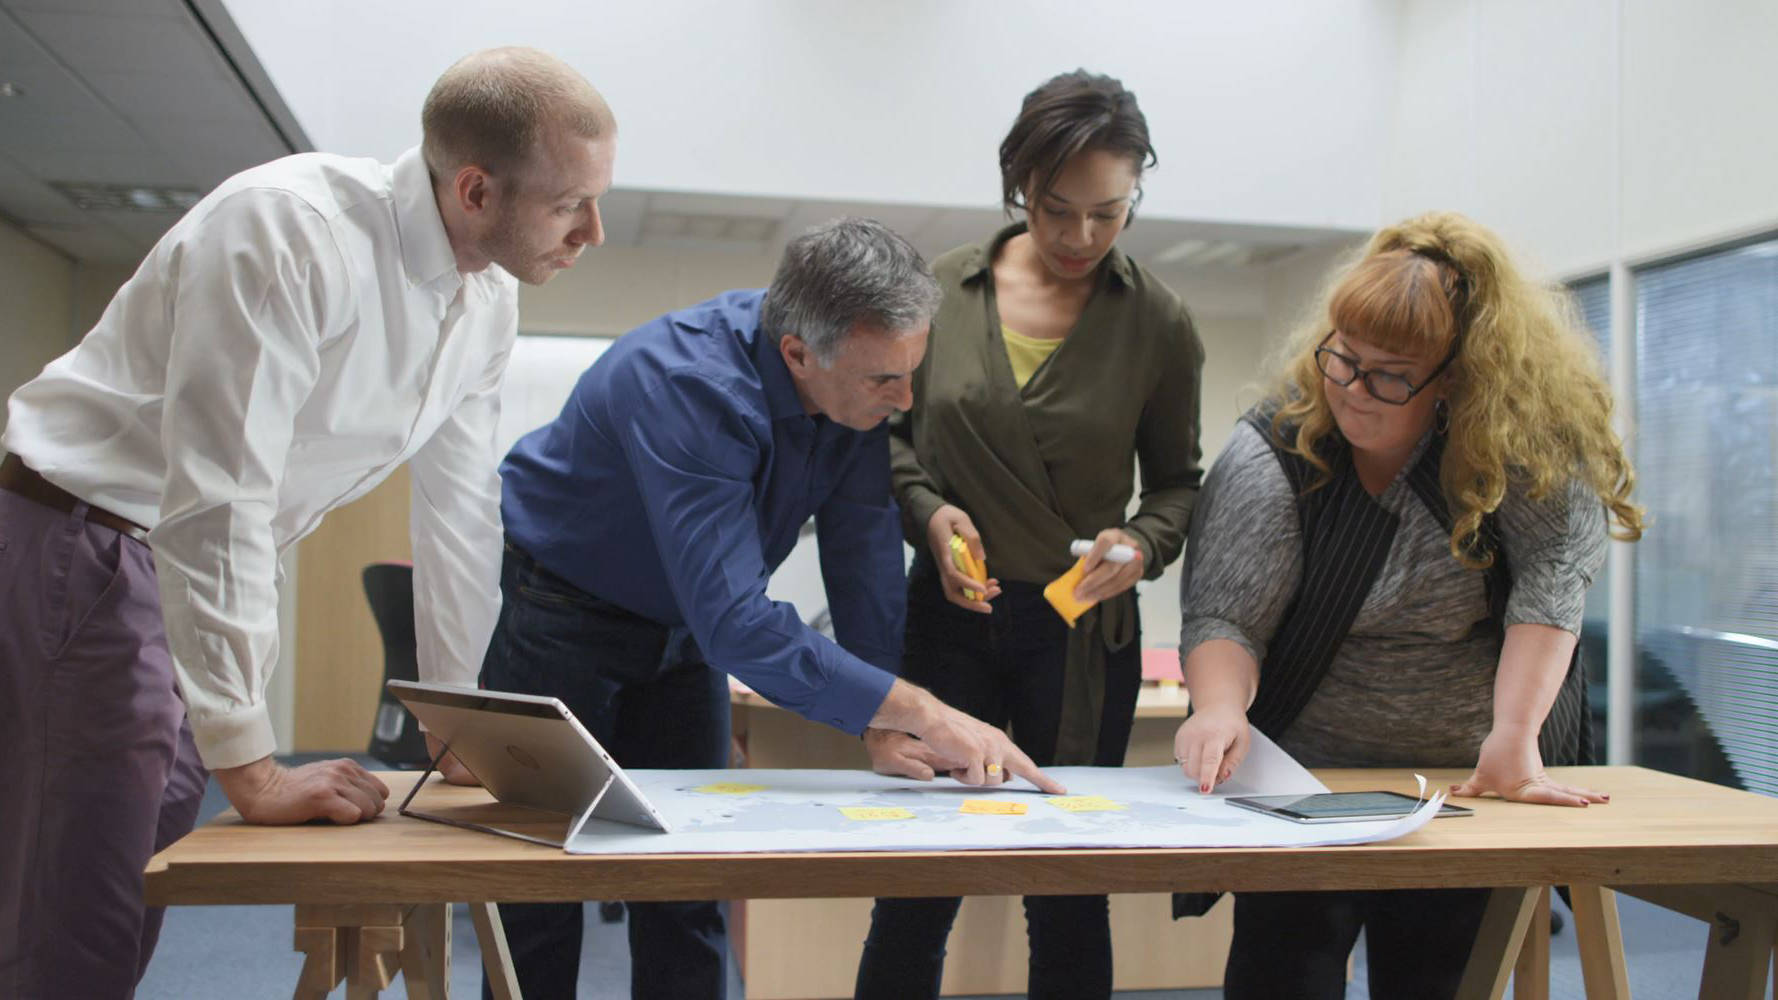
<point>492,108</point>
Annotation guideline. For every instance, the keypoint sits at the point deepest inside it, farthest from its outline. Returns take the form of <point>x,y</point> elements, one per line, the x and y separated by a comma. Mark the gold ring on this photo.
<point>993,768</point>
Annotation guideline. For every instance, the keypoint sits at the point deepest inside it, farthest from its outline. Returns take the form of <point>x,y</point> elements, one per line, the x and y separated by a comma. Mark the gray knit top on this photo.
<point>1412,685</point>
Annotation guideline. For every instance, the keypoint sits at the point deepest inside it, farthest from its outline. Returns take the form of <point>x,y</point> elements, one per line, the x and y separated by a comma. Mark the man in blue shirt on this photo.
<point>644,522</point>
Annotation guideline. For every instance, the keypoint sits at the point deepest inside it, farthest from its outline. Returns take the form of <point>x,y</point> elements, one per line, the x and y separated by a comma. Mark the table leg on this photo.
<point>426,952</point>
<point>360,944</point>
<point>1531,973</point>
<point>324,962</point>
<point>1497,943</point>
<point>496,959</point>
<point>1601,942</point>
<point>1743,925</point>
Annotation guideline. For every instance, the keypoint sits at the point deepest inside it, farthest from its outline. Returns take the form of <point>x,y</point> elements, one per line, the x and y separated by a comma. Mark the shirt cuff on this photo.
<point>917,508</point>
<point>237,738</point>
<point>852,695</point>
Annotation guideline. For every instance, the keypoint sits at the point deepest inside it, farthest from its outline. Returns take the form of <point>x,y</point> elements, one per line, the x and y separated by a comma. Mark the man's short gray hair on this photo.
<point>844,274</point>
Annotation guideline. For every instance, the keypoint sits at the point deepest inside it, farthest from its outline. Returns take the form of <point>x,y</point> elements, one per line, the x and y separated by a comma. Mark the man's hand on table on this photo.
<point>898,754</point>
<point>266,792</point>
<point>450,767</point>
<point>984,753</point>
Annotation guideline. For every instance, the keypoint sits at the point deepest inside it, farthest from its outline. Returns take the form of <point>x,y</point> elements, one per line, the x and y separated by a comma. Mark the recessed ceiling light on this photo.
<point>127,197</point>
<point>9,89</point>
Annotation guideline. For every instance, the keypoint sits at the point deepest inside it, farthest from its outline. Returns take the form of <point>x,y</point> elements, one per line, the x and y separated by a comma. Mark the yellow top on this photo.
<point>1026,353</point>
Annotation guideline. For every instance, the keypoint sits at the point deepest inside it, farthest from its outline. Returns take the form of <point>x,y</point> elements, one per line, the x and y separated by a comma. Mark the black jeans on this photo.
<point>651,708</point>
<point>1294,945</point>
<point>1001,668</point>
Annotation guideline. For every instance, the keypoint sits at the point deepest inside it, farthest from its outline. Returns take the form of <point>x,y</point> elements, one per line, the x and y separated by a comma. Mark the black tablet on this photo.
<point>1340,807</point>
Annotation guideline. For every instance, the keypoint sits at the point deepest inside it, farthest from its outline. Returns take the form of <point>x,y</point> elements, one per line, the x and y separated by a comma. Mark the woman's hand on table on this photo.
<point>1511,767</point>
<point>1210,745</point>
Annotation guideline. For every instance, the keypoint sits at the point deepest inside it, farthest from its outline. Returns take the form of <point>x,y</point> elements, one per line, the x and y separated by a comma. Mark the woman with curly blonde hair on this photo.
<point>1388,567</point>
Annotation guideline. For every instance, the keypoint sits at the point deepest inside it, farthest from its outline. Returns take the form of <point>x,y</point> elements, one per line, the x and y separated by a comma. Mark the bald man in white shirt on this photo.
<point>310,325</point>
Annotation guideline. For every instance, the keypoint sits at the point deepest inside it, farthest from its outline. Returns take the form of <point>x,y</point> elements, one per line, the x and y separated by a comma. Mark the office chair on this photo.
<point>395,737</point>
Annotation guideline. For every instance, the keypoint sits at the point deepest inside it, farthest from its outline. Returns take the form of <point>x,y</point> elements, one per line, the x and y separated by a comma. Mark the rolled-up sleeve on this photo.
<point>250,297</point>
<point>692,454</point>
<point>1554,546</point>
<point>1244,561</point>
<point>455,528</point>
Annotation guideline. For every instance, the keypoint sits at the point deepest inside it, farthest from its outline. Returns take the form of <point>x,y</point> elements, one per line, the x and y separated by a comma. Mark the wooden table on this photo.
<point>795,949</point>
<point>370,898</point>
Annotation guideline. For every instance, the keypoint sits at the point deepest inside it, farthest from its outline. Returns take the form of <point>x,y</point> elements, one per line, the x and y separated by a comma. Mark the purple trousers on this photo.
<point>97,766</point>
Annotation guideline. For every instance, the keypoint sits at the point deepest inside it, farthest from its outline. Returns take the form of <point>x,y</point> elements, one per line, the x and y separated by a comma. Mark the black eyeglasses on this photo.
<point>1385,387</point>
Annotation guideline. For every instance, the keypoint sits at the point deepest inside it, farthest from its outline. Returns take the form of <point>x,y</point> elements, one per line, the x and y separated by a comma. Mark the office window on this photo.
<point>1593,296</point>
<point>1593,299</point>
<point>1706,452</point>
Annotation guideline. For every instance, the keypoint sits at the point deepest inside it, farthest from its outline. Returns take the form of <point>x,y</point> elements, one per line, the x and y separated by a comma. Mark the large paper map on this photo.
<point>747,811</point>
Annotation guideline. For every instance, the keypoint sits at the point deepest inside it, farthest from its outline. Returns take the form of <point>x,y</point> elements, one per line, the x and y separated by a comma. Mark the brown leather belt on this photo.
<point>17,477</point>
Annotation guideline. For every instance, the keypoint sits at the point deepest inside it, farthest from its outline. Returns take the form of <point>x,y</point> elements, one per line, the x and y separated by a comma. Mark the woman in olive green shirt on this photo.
<point>1055,364</point>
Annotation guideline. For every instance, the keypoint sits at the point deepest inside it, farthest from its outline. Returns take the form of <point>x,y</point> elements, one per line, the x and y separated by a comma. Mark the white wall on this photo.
<point>37,286</point>
<point>1263,113</point>
<point>1588,131</point>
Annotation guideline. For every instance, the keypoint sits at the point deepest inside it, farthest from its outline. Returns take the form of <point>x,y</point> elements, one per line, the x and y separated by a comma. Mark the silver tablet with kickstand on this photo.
<point>527,751</point>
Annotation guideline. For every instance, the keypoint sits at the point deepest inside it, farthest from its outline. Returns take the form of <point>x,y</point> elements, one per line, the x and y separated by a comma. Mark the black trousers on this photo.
<point>1294,945</point>
<point>649,708</point>
<point>1005,669</point>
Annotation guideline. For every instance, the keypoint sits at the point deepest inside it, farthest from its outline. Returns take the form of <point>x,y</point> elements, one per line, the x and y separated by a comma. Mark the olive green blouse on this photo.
<point>1038,466</point>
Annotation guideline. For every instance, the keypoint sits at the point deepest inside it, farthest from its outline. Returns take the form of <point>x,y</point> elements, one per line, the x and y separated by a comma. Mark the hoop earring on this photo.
<point>1441,416</point>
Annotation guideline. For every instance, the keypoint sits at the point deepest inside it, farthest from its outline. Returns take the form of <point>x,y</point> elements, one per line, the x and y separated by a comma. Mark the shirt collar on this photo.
<point>980,259</point>
<point>425,248</point>
<point>781,398</point>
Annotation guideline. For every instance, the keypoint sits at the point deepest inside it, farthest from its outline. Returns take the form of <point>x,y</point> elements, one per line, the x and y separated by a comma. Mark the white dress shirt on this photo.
<point>299,334</point>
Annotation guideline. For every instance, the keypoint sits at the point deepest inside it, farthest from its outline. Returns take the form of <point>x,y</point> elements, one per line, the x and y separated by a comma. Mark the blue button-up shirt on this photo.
<point>676,479</point>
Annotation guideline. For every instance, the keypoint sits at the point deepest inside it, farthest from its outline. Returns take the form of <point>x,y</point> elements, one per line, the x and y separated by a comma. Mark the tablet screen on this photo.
<point>1340,806</point>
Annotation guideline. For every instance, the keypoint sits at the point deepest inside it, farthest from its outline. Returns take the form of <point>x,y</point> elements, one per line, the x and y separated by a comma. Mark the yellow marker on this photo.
<point>875,812</point>
<point>966,564</point>
<point>1060,593</point>
<point>1085,803</point>
<point>729,788</point>
<point>992,807</point>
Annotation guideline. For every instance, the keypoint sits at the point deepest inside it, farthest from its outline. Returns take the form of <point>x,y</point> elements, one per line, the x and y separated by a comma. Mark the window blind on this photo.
<point>1706,451</point>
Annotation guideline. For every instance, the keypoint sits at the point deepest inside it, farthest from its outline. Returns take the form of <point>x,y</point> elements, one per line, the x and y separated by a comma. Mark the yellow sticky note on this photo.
<point>966,564</point>
<point>875,812</point>
<point>1085,803</point>
<point>1060,593</point>
<point>729,788</point>
<point>992,807</point>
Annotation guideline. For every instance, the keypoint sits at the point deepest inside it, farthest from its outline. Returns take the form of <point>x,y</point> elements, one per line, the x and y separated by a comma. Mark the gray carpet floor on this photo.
<point>234,952</point>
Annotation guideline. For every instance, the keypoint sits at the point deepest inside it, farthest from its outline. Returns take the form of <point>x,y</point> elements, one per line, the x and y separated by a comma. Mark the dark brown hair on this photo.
<point>1070,114</point>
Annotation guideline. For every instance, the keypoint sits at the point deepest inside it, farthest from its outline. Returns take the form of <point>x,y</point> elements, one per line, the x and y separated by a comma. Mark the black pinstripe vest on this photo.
<point>1346,538</point>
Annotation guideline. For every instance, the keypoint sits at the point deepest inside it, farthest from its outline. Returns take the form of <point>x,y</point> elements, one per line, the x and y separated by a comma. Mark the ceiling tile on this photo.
<point>145,167</point>
<point>29,200</point>
<point>89,243</point>
<point>131,8</point>
<point>123,43</point>
<point>191,95</point>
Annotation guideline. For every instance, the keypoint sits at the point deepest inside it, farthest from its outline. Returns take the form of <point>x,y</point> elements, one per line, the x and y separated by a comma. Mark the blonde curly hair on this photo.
<point>1527,403</point>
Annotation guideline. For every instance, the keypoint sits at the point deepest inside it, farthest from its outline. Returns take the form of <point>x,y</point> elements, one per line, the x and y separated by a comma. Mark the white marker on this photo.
<point>1118,553</point>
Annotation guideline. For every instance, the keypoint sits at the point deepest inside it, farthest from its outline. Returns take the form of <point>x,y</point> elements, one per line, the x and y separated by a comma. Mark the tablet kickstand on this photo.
<point>587,813</point>
<point>484,827</point>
